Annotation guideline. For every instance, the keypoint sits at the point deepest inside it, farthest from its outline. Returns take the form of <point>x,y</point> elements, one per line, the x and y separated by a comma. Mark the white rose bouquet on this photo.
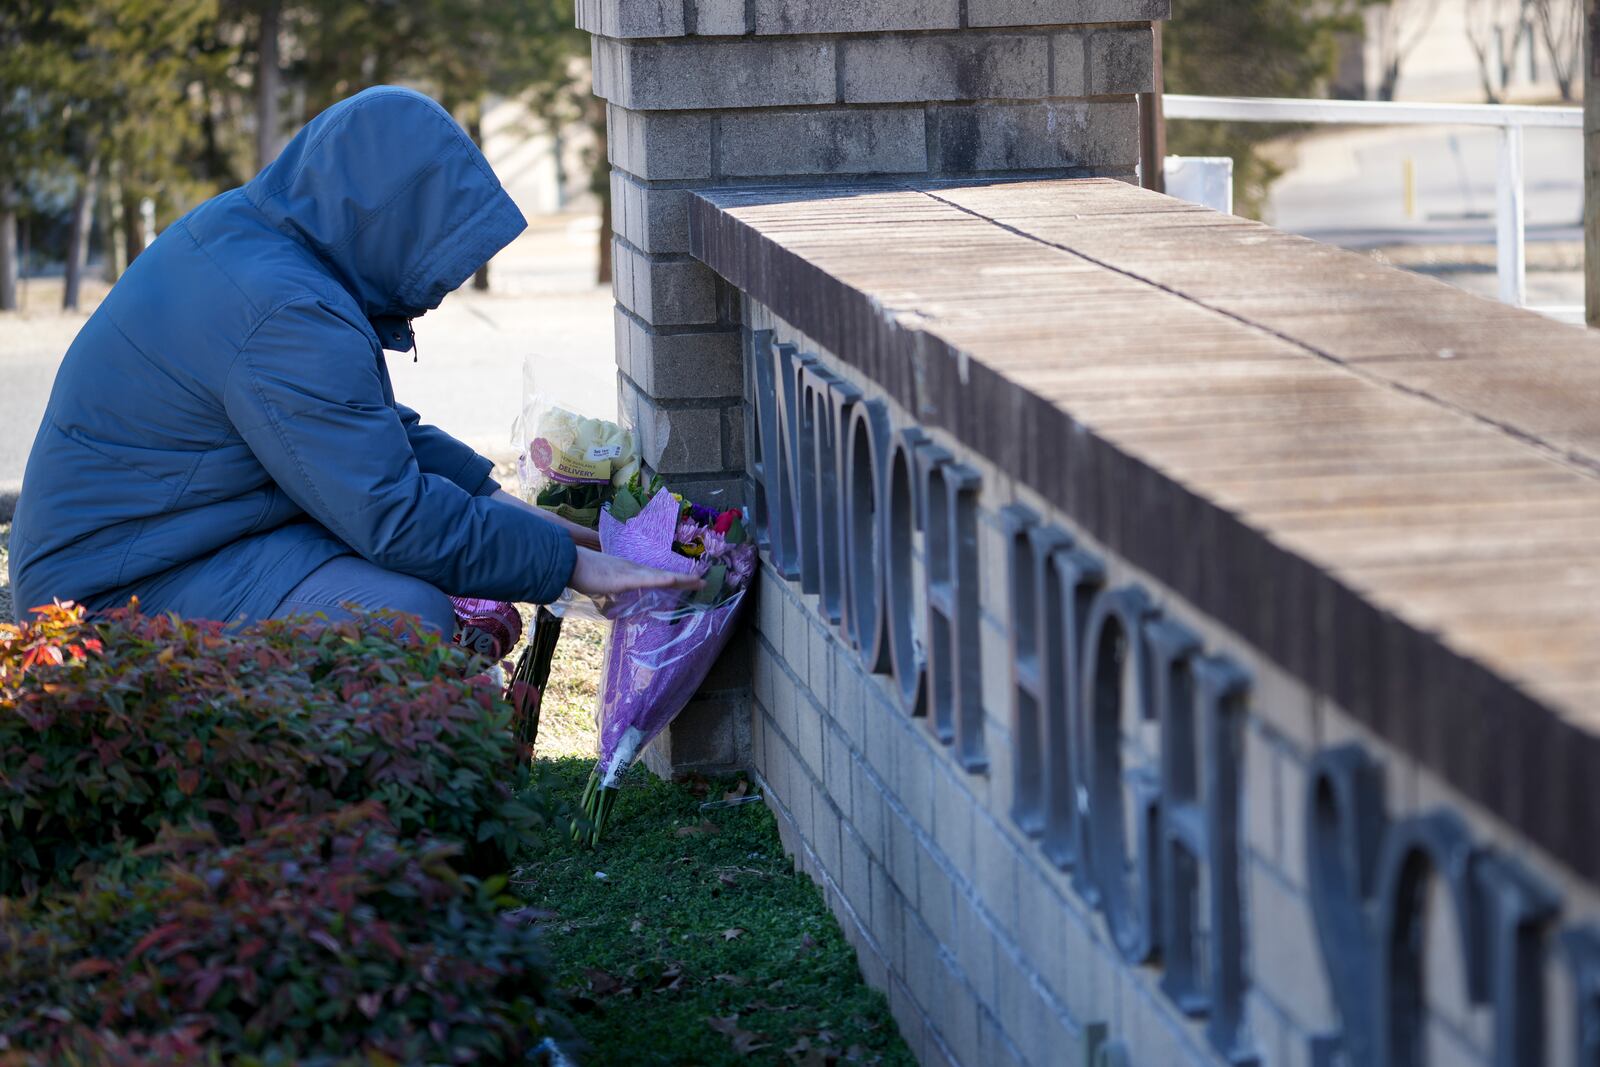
<point>572,464</point>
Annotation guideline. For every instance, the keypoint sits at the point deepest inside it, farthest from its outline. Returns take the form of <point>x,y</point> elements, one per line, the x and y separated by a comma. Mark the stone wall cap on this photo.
<point>726,18</point>
<point>1388,486</point>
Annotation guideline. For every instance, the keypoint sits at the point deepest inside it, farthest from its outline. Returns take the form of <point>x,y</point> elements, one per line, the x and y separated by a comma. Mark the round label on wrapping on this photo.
<point>563,466</point>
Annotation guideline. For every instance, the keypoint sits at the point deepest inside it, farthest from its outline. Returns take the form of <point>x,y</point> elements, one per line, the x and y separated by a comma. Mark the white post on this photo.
<point>1510,235</point>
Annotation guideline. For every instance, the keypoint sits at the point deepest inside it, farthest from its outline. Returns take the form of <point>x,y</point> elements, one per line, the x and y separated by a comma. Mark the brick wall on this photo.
<point>705,93</point>
<point>988,951</point>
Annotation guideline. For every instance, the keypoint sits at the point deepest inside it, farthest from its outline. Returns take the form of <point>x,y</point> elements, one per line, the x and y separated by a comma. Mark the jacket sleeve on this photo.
<point>439,453</point>
<point>306,396</point>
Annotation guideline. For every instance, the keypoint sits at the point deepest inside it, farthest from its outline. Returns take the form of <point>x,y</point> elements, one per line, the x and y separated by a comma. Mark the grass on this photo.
<point>686,937</point>
<point>566,720</point>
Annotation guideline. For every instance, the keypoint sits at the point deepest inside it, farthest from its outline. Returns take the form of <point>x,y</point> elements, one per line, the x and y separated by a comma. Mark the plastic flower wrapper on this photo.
<point>569,463</point>
<point>662,644</point>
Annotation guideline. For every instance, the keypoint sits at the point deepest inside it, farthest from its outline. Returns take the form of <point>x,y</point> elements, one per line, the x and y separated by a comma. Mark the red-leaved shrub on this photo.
<point>112,728</point>
<point>325,939</point>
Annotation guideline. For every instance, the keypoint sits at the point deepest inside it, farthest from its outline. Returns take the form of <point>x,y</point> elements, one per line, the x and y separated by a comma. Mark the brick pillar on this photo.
<point>715,93</point>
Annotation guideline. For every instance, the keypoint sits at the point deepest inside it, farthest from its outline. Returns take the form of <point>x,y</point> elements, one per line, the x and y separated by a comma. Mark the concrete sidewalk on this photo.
<point>467,378</point>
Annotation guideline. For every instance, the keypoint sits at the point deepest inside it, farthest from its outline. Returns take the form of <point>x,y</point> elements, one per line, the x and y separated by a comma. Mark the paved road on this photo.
<point>1348,187</point>
<point>468,375</point>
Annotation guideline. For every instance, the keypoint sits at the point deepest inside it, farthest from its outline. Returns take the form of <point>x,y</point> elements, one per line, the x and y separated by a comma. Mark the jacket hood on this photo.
<point>393,196</point>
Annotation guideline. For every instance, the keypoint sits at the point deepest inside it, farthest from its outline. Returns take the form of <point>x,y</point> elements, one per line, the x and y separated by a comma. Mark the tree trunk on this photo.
<point>558,147</point>
<point>1390,81</point>
<point>1591,159</point>
<point>106,215</point>
<point>83,200</point>
<point>480,280</point>
<point>132,238</point>
<point>23,260</point>
<point>269,83</point>
<point>8,253</point>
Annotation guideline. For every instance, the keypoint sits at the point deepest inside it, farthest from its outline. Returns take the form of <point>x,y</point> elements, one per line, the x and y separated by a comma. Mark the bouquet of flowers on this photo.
<point>661,645</point>
<point>571,464</point>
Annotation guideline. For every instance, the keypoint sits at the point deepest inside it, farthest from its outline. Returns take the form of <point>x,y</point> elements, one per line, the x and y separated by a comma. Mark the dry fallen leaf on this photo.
<point>706,826</point>
<point>601,984</point>
<point>727,879</point>
<point>635,926</point>
<point>733,979</point>
<point>737,791</point>
<point>744,1041</point>
<point>732,933</point>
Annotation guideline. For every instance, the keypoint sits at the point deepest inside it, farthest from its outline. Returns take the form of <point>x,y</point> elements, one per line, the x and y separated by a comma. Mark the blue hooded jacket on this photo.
<point>224,423</point>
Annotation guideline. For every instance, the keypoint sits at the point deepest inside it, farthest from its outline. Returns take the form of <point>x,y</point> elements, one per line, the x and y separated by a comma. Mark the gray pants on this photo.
<point>351,580</point>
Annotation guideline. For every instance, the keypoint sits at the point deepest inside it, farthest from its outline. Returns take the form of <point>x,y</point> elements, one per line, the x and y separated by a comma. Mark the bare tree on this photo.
<point>1495,28</point>
<point>1561,25</point>
<point>269,82</point>
<point>1401,26</point>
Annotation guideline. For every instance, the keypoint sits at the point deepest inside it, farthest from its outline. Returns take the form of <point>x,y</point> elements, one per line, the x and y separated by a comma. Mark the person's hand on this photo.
<point>597,575</point>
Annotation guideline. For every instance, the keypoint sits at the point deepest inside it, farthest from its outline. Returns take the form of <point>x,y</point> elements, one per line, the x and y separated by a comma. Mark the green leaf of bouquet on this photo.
<point>736,534</point>
<point>625,505</point>
<point>716,578</point>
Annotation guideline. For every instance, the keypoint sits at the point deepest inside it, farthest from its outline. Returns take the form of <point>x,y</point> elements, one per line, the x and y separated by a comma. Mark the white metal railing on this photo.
<point>1510,232</point>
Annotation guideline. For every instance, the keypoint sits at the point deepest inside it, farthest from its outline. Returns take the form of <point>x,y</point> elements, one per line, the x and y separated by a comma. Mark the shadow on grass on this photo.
<point>687,938</point>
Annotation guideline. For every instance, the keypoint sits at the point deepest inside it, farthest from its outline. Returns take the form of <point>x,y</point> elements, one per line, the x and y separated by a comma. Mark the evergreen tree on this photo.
<point>33,65</point>
<point>125,96</point>
<point>1287,48</point>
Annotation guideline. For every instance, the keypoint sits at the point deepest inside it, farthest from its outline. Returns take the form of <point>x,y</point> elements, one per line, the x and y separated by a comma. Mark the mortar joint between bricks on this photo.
<point>676,330</point>
<point>655,257</point>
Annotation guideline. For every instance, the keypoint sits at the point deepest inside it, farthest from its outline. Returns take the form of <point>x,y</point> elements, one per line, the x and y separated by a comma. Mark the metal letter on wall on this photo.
<point>1114,648</point>
<point>1073,579</point>
<point>1582,945</point>
<point>955,666</point>
<point>758,410</point>
<point>778,395</point>
<point>1221,691</point>
<point>1027,671</point>
<point>903,516</point>
<point>1038,669</point>
<point>867,532</point>
<point>843,397</point>
<point>1517,910</point>
<point>823,501</point>
<point>803,448</point>
<point>1345,827</point>
<point>1416,850</point>
<point>1185,841</point>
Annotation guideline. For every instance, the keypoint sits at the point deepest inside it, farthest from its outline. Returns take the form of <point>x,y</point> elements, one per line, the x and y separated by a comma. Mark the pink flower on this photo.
<point>741,565</point>
<point>716,544</point>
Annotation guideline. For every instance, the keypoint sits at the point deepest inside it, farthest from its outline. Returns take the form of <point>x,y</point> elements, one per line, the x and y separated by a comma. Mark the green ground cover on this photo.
<point>686,937</point>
